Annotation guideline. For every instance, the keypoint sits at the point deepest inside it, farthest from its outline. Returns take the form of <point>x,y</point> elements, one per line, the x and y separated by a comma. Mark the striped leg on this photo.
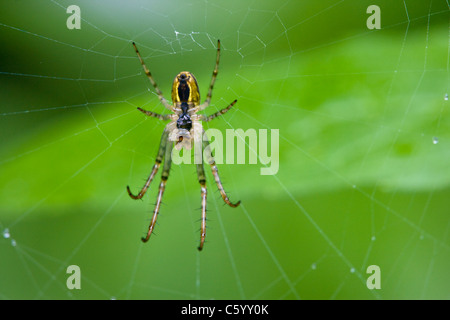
<point>219,113</point>
<point>202,181</point>
<point>162,186</point>
<point>154,114</point>
<point>152,81</point>
<point>147,183</point>
<point>159,157</point>
<point>215,172</point>
<point>205,104</point>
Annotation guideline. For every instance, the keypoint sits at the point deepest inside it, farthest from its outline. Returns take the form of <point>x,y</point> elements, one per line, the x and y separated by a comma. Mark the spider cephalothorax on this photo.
<point>183,129</point>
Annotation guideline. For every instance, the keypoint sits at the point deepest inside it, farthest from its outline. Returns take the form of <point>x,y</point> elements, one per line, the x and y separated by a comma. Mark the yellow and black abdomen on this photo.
<point>185,89</point>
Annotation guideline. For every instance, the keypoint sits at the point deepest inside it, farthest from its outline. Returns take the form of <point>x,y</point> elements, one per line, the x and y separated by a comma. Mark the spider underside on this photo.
<point>183,128</point>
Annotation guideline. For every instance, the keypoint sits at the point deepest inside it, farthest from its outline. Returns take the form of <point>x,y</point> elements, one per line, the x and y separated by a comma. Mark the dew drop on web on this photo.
<point>6,233</point>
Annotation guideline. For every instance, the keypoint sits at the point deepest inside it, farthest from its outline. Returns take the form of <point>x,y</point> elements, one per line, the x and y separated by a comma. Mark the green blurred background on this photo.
<point>364,173</point>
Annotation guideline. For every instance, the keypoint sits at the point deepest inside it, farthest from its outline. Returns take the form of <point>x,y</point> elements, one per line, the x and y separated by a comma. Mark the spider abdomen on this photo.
<point>185,89</point>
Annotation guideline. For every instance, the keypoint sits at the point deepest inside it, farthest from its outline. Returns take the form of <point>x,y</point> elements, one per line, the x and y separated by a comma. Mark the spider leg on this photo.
<point>202,181</point>
<point>159,157</point>
<point>215,172</point>
<point>205,104</point>
<point>155,115</point>
<point>219,113</point>
<point>162,186</point>
<point>153,82</point>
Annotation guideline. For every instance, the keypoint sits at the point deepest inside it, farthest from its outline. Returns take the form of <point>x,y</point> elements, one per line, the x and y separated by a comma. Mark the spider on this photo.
<point>184,126</point>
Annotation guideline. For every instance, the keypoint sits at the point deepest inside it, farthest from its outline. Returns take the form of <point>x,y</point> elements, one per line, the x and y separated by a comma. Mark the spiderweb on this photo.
<point>364,150</point>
